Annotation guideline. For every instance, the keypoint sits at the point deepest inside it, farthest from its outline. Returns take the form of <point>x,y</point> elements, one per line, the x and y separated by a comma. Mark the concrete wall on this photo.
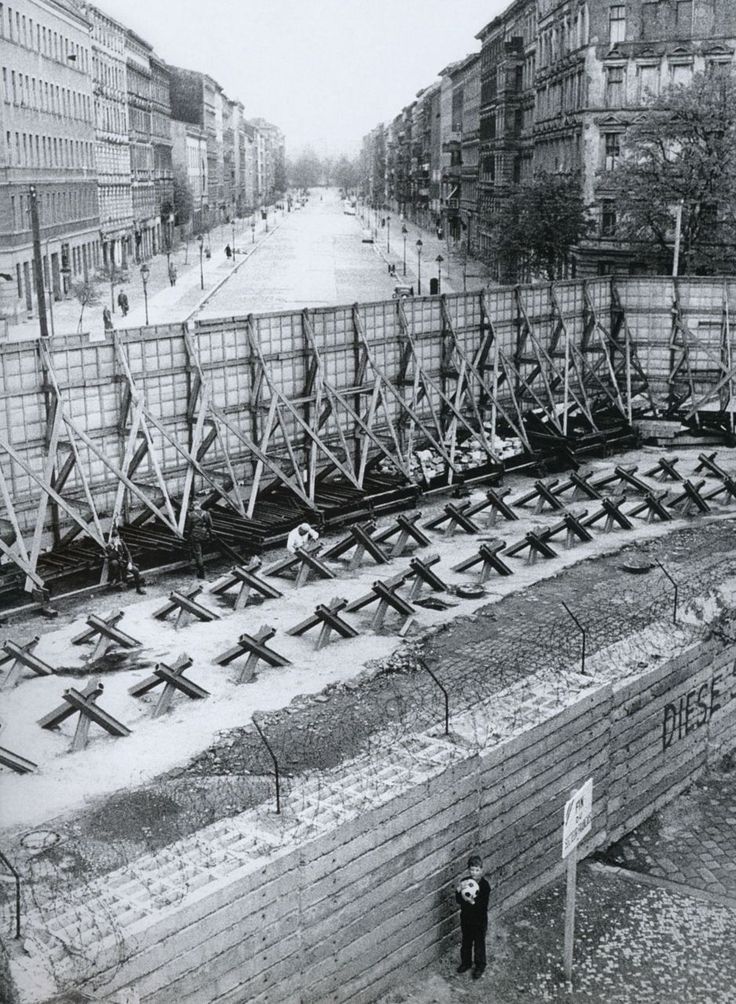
<point>361,907</point>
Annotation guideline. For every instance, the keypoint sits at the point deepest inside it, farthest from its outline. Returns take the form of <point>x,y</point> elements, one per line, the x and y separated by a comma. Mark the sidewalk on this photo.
<point>655,924</point>
<point>166,303</point>
<point>477,274</point>
<point>690,843</point>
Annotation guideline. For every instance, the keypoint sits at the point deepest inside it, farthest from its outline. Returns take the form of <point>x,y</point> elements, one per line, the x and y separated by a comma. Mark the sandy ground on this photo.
<point>66,781</point>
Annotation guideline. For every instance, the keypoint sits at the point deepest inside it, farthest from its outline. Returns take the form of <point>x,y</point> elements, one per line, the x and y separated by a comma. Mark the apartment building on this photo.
<point>507,81</point>
<point>561,82</point>
<point>555,87</point>
<point>47,140</point>
<point>460,118</point>
<point>189,159</point>
<point>633,51</point>
<point>146,217</point>
<point>270,160</point>
<point>163,176</point>
<point>112,144</point>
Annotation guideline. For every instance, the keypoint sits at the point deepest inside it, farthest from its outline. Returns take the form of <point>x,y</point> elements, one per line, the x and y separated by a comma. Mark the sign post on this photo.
<point>578,820</point>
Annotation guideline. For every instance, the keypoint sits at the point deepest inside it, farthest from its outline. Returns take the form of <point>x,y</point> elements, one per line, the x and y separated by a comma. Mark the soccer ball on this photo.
<point>469,889</point>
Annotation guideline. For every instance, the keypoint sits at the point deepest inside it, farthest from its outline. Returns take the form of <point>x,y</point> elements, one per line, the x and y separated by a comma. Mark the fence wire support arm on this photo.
<point>275,765</point>
<point>583,633</point>
<point>16,879</point>
<point>677,589</point>
<point>424,665</point>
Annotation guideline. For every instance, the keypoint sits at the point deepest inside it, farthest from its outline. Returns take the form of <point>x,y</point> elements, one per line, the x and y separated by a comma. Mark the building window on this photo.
<point>613,150</point>
<point>648,82</point>
<point>608,218</point>
<point>681,74</point>
<point>684,15</point>
<point>617,23</point>
<point>615,86</point>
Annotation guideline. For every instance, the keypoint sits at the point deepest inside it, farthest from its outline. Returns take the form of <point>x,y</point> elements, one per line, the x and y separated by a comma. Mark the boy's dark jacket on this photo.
<point>475,914</point>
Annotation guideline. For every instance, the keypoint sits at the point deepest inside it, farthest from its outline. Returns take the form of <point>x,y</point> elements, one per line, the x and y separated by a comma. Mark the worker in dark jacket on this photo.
<point>199,531</point>
<point>121,564</point>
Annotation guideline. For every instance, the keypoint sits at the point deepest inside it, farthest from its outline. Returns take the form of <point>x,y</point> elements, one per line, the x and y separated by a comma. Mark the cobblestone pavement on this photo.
<point>634,944</point>
<point>691,842</point>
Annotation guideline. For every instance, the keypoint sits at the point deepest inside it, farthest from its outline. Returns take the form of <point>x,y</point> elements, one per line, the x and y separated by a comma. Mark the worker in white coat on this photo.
<point>300,536</point>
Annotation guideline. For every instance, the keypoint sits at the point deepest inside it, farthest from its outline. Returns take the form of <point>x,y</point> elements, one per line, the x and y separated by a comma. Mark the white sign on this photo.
<point>578,817</point>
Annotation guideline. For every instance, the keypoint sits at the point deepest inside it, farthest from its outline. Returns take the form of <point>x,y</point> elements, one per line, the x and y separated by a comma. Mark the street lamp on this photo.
<point>419,267</point>
<point>200,241</point>
<point>439,259</point>
<point>145,272</point>
<point>404,232</point>
<point>388,233</point>
<point>169,239</point>
<point>232,224</point>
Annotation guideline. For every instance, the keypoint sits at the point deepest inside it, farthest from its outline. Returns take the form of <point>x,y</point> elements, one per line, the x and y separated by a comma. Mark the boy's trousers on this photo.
<point>473,945</point>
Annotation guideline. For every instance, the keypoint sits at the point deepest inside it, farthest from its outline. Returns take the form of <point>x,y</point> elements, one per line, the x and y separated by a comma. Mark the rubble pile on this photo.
<point>428,463</point>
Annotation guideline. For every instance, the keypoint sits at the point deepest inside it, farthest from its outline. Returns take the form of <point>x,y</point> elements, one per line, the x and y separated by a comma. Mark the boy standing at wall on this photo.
<point>472,893</point>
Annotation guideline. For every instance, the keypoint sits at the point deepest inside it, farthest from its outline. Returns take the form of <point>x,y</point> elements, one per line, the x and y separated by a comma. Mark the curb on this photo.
<point>644,878</point>
<point>218,286</point>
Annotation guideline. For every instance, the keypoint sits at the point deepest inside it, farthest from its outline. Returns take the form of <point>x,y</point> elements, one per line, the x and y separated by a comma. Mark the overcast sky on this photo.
<point>324,71</point>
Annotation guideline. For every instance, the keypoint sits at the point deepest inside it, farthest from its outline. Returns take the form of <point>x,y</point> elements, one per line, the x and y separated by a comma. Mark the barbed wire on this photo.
<point>628,622</point>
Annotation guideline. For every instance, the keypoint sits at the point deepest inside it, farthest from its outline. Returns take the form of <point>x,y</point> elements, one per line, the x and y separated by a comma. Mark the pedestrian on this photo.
<point>120,564</point>
<point>123,302</point>
<point>107,318</point>
<point>172,274</point>
<point>199,531</point>
<point>228,251</point>
<point>300,536</point>
<point>472,893</point>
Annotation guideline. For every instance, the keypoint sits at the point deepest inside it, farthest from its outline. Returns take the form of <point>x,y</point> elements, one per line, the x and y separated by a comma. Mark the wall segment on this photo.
<point>131,427</point>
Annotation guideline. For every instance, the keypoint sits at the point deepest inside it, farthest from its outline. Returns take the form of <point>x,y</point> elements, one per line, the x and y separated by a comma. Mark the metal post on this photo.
<point>582,631</point>
<point>404,232</point>
<point>37,264</point>
<point>50,289</point>
<point>444,691</point>
<point>388,234</point>
<point>572,862</point>
<point>677,589</point>
<point>144,277</point>
<point>200,239</point>
<point>275,765</point>
<point>678,238</point>
<point>419,267</point>
<point>16,878</point>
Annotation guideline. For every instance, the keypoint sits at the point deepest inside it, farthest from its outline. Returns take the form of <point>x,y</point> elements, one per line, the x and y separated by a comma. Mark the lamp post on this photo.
<point>232,224</point>
<point>404,232</point>
<point>253,231</point>
<point>169,239</point>
<point>439,259</point>
<point>419,267</point>
<point>388,233</point>
<point>145,272</point>
<point>200,241</point>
